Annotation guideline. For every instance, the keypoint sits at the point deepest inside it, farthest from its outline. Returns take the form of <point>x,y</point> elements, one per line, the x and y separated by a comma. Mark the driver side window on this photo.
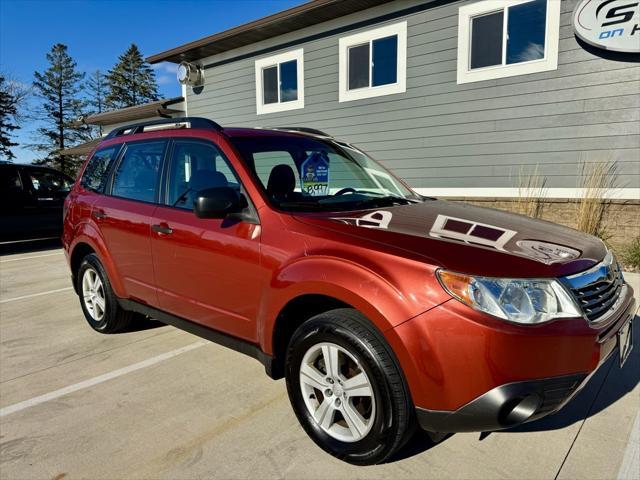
<point>196,166</point>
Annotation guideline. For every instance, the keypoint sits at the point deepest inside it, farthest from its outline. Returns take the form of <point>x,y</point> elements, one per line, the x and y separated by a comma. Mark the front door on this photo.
<point>206,270</point>
<point>124,216</point>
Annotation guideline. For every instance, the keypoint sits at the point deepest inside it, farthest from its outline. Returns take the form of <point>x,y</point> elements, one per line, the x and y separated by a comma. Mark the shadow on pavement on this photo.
<point>607,386</point>
<point>140,324</point>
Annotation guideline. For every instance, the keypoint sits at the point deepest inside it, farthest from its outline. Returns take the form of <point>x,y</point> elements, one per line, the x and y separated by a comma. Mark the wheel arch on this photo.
<point>315,285</point>
<point>81,250</point>
<point>87,240</point>
<point>297,311</point>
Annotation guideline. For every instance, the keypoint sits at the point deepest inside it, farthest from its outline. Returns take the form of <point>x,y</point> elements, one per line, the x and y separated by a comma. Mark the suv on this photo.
<point>31,200</point>
<point>383,309</point>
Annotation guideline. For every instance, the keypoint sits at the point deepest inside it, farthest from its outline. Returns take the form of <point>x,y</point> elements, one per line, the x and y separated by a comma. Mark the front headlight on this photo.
<point>517,300</point>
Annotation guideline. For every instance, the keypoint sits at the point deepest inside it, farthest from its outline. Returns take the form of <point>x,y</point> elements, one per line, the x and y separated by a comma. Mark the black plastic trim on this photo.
<point>194,122</point>
<point>505,406</point>
<point>312,131</point>
<point>215,336</point>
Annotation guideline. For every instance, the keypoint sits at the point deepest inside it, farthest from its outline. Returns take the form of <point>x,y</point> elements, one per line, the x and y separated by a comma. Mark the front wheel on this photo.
<point>347,389</point>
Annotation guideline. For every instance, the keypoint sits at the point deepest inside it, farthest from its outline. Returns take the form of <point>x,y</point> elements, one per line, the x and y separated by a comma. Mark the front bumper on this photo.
<point>470,372</point>
<point>505,406</point>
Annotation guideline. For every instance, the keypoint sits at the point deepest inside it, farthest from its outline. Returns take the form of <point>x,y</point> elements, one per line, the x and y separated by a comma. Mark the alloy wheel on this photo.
<point>93,294</point>
<point>337,392</point>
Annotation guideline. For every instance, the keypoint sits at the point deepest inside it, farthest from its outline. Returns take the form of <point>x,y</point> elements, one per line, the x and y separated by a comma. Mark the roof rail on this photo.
<point>312,131</point>
<point>177,122</point>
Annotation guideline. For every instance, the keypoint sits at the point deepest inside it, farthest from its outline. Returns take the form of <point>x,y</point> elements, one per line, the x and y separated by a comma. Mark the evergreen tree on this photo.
<point>131,81</point>
<point>59,88</point>
<point>97,92</point>
<point>8,114</point>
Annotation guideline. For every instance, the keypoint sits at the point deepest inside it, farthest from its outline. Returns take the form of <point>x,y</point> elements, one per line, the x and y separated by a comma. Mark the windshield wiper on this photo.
<point>386,201</point>
<point>377,202</point>
<point>303,205</point>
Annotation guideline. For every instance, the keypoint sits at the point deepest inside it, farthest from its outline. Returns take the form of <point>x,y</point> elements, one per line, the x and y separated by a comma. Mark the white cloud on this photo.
<point>165,79</point>
<point>534,51</point>
<point>165,67</point>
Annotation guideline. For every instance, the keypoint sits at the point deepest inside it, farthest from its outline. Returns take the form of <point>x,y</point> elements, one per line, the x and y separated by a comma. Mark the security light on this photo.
<point>190,74</point>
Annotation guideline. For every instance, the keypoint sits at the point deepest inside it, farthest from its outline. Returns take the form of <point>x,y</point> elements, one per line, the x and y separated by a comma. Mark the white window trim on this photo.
<point>276,60</point>
<point>552,37</point>
<point>346,95</point>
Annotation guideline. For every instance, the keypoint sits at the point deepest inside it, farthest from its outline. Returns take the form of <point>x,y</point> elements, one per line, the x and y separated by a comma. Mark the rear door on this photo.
<point>14,199</point>
<point>207,270</point>
<point>48,190</point>
<point>124,215</point>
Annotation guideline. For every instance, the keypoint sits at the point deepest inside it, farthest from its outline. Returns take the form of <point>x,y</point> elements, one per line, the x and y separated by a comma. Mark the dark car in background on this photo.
<point>31,201</point>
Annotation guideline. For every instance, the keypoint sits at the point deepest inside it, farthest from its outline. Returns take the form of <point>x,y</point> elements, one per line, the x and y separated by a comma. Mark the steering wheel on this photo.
<point>345,190</point>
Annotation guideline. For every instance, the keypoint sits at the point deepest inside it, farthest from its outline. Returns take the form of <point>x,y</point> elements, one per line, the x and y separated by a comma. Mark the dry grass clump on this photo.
<point>631,255</point>
<point>598,181</point>
<point>531,192</point>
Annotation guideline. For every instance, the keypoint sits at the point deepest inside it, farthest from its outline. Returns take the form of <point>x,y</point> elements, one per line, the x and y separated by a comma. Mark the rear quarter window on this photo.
<point>97,171</point>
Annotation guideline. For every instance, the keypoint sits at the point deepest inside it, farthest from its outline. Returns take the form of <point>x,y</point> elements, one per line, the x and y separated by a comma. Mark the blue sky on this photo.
<point>97,31</point>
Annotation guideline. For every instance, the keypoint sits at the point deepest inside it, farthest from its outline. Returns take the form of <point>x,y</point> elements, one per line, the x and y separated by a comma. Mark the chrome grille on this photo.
<point>597,289</point>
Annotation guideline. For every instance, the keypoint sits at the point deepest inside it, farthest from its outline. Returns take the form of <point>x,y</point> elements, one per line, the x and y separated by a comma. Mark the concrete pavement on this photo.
<point>159,403</point>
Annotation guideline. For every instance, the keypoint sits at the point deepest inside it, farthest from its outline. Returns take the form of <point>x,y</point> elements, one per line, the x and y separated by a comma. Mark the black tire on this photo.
<point>393,421</point>
<point>114,318</point>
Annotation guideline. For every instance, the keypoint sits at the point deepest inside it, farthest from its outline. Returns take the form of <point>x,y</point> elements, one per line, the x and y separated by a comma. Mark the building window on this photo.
<point>499,39</point>
<point>280,82</point>
<point>373,63</point>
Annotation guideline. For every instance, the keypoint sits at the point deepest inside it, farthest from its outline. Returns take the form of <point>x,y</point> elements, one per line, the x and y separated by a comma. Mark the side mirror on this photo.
<point>218,202</point>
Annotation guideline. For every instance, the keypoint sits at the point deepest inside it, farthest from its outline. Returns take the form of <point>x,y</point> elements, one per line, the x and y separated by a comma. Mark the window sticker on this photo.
<point>314,174</point>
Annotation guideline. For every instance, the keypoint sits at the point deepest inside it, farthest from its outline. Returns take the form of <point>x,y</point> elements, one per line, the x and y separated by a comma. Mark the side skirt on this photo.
<point>215,336</point>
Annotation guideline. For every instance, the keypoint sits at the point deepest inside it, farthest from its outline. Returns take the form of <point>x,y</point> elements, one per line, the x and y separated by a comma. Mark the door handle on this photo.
<point>99,214</point>
<point>162,229</point>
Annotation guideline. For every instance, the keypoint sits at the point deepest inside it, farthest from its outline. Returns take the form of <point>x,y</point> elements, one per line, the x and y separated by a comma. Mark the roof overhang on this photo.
<point>138,112</point>
<point>296,18</point>
<point>82,149</point>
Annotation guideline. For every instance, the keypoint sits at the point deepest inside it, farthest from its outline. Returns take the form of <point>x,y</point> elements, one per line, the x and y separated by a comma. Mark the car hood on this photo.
<point>470,239</point>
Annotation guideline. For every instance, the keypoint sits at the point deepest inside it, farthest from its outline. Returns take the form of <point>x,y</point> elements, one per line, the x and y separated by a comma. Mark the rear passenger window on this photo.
<point>95,175</point>
<point>46,181</point>
<point>136,177</point>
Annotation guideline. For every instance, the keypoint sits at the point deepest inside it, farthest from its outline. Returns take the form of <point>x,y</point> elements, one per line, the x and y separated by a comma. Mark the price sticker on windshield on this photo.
<point>315,175</point>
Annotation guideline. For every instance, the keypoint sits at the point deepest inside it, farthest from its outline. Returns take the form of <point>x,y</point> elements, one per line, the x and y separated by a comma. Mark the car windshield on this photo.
<point>307,174</point>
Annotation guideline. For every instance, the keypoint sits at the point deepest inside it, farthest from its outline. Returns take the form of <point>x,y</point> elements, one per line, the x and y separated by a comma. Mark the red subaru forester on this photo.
<point>383,309</point>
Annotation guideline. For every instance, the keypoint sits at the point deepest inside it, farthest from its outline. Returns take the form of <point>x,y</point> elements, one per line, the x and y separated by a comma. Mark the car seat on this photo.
<point>282,182</point>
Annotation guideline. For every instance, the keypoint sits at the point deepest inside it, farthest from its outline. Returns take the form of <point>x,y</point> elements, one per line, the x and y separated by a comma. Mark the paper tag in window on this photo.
<point>314,174</point>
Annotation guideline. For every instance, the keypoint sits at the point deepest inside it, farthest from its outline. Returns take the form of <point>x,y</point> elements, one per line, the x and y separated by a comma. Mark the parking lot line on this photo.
<point>629,469</point>
<point>48,292</point>
<point>29,258</point>
<point>16,407</point>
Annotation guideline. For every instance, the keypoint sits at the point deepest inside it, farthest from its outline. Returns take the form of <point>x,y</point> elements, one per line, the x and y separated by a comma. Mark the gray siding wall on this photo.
<point>440,134</point>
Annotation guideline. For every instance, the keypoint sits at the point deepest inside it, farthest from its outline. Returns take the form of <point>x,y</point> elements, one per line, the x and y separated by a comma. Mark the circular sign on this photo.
<point>609,24</point>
